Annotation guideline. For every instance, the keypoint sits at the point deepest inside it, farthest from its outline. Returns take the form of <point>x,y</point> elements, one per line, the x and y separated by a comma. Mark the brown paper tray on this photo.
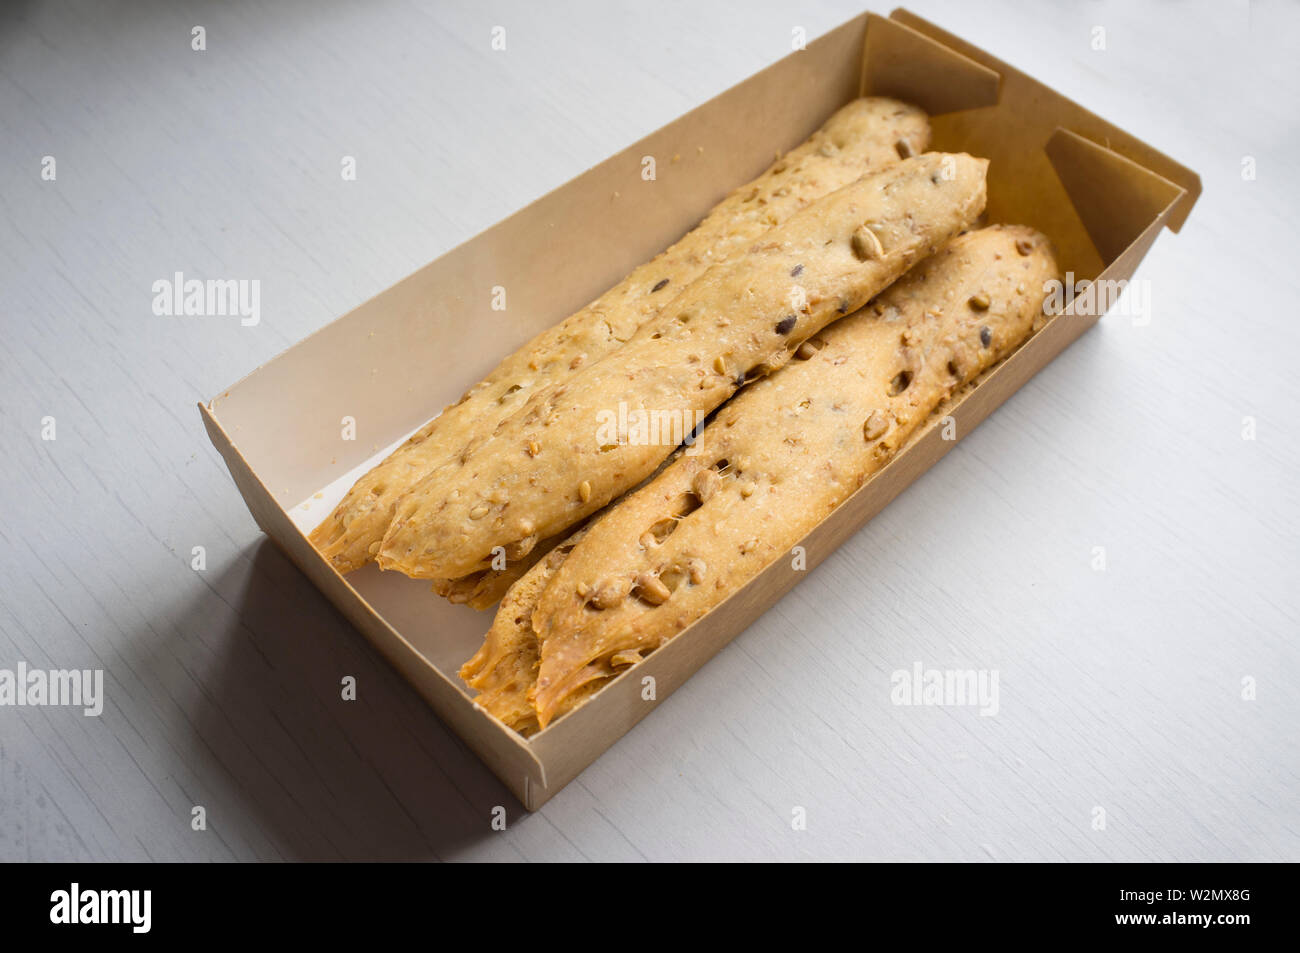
<point>1100,194</point>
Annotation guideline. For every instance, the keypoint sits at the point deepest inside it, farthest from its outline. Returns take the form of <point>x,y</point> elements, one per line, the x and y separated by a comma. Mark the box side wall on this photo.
<point>508,756</point>
<point>437,331</point>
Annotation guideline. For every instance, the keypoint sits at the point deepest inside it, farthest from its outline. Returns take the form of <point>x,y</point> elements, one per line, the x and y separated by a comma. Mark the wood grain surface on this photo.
<point>1121,689</point>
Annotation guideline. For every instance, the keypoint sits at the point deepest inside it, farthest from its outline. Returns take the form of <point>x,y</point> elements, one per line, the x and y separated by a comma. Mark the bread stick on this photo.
<point>866,134</point>
<point>547,467</point>
<point>780,457</point>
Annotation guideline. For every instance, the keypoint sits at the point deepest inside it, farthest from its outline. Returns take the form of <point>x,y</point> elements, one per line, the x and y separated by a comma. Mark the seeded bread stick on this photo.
<point>780,457</point>
<point>504,670</point>
<point>548,466</point>
<point>866,134</point>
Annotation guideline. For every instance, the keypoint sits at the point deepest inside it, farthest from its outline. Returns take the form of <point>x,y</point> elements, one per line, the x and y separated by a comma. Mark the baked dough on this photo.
<point>782,457</point>
<point>865,135</point>
<point>548,466</point>
<point>772,464</point>
<point>485,588</point>
<point>504,669</point>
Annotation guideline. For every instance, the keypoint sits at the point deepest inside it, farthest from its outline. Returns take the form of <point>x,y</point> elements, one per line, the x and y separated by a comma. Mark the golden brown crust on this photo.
<point>548,466</point>
<point>504,669</point>
<point>483,589</point>
<point>778,458</point>
<point>860,137</point>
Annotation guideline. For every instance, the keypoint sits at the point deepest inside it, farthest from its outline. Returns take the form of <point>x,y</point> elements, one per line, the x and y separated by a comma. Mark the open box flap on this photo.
<point>1032,98</point>
<point>1047,168</point>
<point>907,65</point>
<point>1114,197</point>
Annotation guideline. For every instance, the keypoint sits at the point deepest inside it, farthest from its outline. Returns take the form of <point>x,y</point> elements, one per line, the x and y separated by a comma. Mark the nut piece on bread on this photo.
<point>738,320</point>
<point>861,137</point>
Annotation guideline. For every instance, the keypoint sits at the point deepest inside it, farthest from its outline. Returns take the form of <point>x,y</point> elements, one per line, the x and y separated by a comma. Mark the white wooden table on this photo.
<point>1121,690</point>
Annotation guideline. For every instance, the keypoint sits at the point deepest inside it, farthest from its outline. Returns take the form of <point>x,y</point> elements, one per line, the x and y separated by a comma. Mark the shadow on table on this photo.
<point>376,778</point>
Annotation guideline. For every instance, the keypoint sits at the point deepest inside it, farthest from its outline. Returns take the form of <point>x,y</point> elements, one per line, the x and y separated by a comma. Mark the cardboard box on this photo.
<point>1099,193</point>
